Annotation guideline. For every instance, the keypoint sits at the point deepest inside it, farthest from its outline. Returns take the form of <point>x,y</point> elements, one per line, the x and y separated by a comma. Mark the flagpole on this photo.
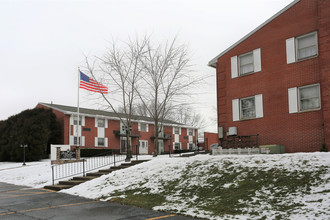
<point>78,119</point>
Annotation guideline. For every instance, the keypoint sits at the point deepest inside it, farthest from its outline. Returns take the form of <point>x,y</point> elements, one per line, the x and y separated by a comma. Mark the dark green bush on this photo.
<point>38,128</point>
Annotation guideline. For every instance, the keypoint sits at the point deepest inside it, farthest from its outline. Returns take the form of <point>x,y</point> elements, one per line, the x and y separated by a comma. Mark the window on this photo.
<point>305,98</point>
<point>176,130</point>
<point>248,108</point>
<point>301,48</point>
<point>190,132</point>
<point>143,127</point>
<point>306,46</point>
<point>177,146</point>
<point>100,141</point>
<point>101,122</point>
<point>191,146</point>
<point>75,141</point>
<point>246,63</point>
<point>75,120</point>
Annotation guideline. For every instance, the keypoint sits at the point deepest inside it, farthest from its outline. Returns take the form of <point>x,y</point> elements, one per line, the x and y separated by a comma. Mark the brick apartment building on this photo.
<point>275,81</point>
<point>102,129</point>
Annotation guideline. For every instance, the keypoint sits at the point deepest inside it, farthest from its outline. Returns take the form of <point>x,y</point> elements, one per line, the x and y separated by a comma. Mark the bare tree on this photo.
<point>185,114</point>
<point>120,69</point>
<point>167,80</point>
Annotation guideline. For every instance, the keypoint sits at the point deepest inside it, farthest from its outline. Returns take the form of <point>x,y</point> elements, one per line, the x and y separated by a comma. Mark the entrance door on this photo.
<point>160,146</point>
<point>123,145</point>
<point>143,147</point>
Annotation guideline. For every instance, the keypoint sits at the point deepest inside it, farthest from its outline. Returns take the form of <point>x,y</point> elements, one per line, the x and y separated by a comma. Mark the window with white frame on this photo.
<point>305,98</point>
<point>306,46</point>
<point>190,132</point>
<point>177,146</point>
<point>176,130</point>
<point>143,127</point>
<point>75,120</point>
<point>100,142</point>
<point>246,63</point>
<point>301,47</point>
<point>101,122</point>
<point>191,146</point>
<point>247,108</point>
<point>75,140</point>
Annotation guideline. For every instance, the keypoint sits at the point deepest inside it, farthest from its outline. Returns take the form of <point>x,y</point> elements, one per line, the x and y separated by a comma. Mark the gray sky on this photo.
<point>43,42</point>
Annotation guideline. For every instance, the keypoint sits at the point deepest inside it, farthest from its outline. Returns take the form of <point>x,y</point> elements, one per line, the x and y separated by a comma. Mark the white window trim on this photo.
<point>292,48</point>
<point>316,42</point>
<point>237,112</point>
<point>294,99</point>
<point>241,110</point>
<point>235,66</point>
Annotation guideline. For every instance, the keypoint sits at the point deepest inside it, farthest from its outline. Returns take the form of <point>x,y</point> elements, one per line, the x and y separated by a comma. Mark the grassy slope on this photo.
<point>257,187</point>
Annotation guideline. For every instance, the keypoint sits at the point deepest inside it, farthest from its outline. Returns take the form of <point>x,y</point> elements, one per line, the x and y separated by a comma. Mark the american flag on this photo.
<point>91,85</point>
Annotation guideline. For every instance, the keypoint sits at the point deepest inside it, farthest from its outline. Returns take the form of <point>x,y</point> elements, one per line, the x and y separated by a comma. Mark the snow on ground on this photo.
<point>152,174</point>
<point>34,174</point>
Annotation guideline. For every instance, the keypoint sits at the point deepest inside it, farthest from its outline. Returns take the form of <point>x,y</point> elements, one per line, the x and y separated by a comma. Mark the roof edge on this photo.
<point>213,62</point>
<point>169,123</point>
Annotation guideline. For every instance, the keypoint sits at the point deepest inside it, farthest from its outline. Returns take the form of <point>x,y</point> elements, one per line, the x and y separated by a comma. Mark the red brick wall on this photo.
<point>210,138</point>
<point>299,132</point>
<point>324,50</point>
<point>113,140</point>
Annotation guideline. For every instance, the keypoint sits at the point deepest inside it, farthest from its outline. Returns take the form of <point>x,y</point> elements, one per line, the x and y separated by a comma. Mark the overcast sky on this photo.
<point>43,42</point>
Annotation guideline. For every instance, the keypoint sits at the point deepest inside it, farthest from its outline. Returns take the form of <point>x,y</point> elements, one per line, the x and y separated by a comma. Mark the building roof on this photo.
<point>213,62</point>
<point>69,110</point>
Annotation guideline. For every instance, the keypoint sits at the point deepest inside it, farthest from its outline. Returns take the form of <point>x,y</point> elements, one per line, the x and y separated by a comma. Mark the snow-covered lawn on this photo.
<point>293,186</point>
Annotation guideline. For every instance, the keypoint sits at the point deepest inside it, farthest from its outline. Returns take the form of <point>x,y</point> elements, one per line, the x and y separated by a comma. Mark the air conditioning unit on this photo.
<point>232,131</point>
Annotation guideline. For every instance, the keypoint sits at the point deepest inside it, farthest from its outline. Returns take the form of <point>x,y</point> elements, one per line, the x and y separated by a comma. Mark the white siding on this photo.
<point>293,100</point>
<point>259,106</point>
<point>234,67</point>
<point>257,60</point>
<point>235,106</point>
<point>290,50</point>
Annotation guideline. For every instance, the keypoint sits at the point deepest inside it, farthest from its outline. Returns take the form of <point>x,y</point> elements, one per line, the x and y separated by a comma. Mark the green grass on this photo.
<point>245,187</point>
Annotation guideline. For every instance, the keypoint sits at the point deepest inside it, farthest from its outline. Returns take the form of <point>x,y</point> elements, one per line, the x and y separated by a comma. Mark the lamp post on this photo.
<point>24,146</point>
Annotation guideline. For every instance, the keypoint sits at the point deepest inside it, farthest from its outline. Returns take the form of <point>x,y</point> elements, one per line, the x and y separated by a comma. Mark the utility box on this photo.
<point>272,149</point>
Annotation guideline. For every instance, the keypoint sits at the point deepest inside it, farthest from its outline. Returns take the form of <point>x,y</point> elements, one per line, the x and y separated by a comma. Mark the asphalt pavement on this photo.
<point>21,202</point>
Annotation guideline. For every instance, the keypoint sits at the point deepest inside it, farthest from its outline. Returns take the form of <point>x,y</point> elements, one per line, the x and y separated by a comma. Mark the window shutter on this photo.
<point>95,122</point>
<point>193,132</point>
<point>293,100</point>
<point>71,140</point>
<point>173,130</point>
<point>82,120</point>
<point>259,106</point>
<point>105,142</point>
<point>234,67</point>
<point>290,51</point>
<point>235,106</point>
<point>71,120</point>
<point>82,140</point>
<point>147,126</point>
<point>179,131</point>
<point>96,141</point>
<point>257,60</point>
<point>139,126</point>
<point>106,123</point>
